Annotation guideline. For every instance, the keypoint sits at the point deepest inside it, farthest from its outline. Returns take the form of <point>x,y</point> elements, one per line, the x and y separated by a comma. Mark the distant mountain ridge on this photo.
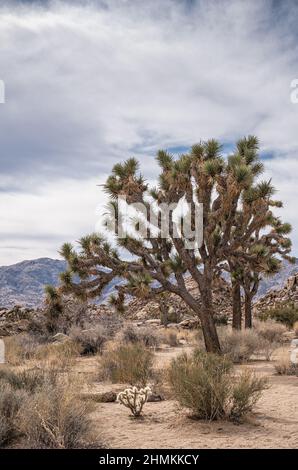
<point>23,283</point>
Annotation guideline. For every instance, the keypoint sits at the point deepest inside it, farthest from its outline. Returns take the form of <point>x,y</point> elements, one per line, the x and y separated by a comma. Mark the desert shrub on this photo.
<point>270,330</point>
<point>57,355</point>
<point>239,345</point>
<point>41,409</point>
<point>246,392</point>
<point>221,319</point>
<point>28,379</point>
<point>295,327</point>
<point>266,348</point>
<point>284,313</point>
<point>128,363</point>
<point>170,336</point>
<point>54,418</point>
<point>283,365</point>
<point>10,403</point>
<point>91,338</point>
<point>205,384</point>
<point>201,382</point>
<point>112,322</point>
<point>145,335</point>
<point>20,347</point>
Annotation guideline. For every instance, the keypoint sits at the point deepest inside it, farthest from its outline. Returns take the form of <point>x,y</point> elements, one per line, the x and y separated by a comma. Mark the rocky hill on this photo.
<point>278,280</point>
<point>23,283</point>
<point>287,294</point>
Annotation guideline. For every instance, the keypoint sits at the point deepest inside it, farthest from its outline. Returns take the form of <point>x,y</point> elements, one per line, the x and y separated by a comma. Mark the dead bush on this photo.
<point>112,322</point>
<point>128,363</point>
<point>10,403</point>
<point>54,418</point>
<point>206,384</point>
<point>20,347</point>
<point>143,334</point>
<point>240,345</point>
<point>270,330</point>
<point>284,366</point>
<point>57,355</point>
<point>170,336</point>
<point>28,379</point>
<point>90,338</point>
<point>42,410</point>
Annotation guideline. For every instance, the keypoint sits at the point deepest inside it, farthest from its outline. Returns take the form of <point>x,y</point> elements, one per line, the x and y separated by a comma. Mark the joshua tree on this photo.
<point>158,258</point>
<point>265,249</point>
<point>249,254</point>
<point>263,244</point>
<point>159,261</point>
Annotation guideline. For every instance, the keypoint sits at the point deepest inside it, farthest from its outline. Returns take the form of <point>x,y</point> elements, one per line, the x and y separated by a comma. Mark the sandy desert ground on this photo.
<point>273,425</point>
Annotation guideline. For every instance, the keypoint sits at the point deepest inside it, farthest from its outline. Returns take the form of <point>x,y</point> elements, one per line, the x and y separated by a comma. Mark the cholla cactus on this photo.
<point>134,399</point>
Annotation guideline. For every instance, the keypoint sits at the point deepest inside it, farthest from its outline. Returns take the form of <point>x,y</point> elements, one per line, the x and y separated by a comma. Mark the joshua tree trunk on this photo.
<point>248,315</point>
<point>206,317</point>
<point>236,298</point>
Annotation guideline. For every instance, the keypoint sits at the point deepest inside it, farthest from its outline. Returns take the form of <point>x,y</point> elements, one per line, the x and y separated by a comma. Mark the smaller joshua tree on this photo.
<point>134,399</point>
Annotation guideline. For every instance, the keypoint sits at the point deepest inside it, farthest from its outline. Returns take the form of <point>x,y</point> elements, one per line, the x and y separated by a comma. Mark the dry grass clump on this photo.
<point>170,336</point>
<point>284,366</point>
<point>142,334</point>
<point>270,330</point>
<point>41,409</point>
<point>28,379</point>
<point>10,403</point>
<point>127,363</point>
<point>262,340</point>
<point>90,339</point>
<point>21,347</point>
<point>206,384</point>
<point>57,355</point>
<point>239,345</point>
<point>54,418</point>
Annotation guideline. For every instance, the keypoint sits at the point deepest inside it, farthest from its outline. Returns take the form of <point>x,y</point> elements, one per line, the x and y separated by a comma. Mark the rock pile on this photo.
<point>288,294</point>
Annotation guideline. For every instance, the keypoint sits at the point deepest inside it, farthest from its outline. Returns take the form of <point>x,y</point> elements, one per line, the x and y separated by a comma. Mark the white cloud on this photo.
<point>36,225</point>
<point>89,83</point>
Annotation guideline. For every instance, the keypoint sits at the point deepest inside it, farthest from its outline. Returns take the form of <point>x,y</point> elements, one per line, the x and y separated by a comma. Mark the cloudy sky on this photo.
<point>89,83</point>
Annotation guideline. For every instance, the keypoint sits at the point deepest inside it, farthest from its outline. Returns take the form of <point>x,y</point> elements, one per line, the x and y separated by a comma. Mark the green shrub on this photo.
<point>205,383</point>
<point>128,363</point>
<point>284,313</point>
<point>246,392</point>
